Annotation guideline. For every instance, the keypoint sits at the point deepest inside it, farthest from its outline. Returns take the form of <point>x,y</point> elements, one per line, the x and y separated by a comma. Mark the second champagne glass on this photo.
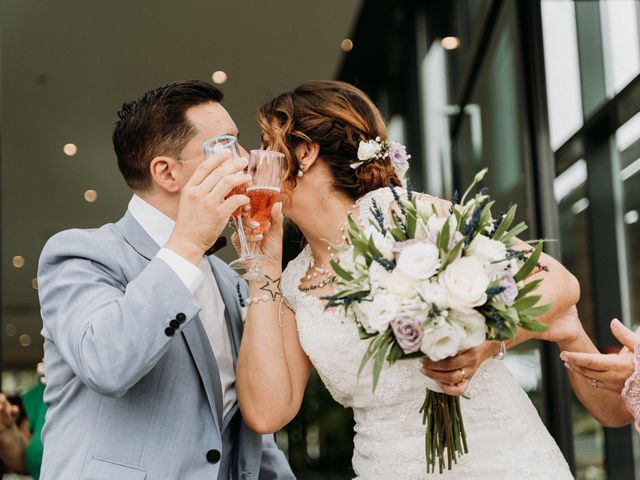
<point>266,169</point>
<point>230,143</point>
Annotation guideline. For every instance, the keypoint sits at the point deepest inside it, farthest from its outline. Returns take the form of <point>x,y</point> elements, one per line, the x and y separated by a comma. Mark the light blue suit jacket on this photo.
<point>128,398</point>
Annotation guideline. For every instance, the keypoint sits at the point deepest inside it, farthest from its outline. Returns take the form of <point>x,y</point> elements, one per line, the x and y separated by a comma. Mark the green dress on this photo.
<point>35,409</point>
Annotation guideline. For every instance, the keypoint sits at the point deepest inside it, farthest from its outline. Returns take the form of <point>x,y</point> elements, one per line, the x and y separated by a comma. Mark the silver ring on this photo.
<point>594,383</point>
<point>464,375</point>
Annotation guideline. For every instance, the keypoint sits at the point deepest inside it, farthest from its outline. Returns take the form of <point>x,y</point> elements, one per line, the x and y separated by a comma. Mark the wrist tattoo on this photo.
<point>272,286</point>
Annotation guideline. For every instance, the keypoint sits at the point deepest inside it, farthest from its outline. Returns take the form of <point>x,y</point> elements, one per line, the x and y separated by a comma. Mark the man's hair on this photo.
<point>156,124</point>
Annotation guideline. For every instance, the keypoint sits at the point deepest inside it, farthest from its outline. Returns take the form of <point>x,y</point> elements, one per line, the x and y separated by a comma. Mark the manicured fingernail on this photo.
<point>567,365</point>
<point>563,357</point>
<point>254,224</point>
<point>246,208</point>
<point>616,322</point>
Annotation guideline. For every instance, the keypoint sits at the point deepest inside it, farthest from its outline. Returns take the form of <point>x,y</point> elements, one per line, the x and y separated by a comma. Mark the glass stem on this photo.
<point>244,246</point>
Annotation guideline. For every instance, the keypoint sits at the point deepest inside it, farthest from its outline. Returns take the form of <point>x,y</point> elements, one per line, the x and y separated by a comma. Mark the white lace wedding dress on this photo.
<point>506,438</point>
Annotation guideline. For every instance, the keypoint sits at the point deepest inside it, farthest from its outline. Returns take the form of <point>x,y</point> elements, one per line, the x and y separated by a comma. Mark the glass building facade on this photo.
<point>547,95</point>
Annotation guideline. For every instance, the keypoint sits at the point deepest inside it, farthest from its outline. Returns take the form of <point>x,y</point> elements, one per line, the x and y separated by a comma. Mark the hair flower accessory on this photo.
<point>379,149</point>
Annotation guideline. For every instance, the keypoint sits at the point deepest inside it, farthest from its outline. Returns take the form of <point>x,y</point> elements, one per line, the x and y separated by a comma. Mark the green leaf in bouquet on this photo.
<point>341,272</point>
<point>444,236</point>
<point>371,351</point>
<point>397,234</point>
<point>412,221</point>
<point>530,264</point>
<point>526,302</point>
<point>528,288</point>
<point>538,311</point>
<point>532,324</point>
<point>514,232</point>
<point>505,223</point>
<point>378,361</point>
<point>372,249</point>
<point>452,255</point>
<point>395,353</point>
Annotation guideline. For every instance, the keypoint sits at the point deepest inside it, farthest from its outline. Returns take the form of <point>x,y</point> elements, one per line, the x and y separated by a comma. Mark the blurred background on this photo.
<point>546,93</point>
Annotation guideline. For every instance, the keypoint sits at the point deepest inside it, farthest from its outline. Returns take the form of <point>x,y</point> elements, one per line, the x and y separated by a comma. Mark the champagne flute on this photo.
<point>230,143</point>
<point>266,169</point>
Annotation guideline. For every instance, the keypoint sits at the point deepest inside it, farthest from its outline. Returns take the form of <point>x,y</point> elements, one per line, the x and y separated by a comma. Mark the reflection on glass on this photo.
<point>573,212</point>
<point>561,69</point>
<point>491,136</point>
<point>620,41</point>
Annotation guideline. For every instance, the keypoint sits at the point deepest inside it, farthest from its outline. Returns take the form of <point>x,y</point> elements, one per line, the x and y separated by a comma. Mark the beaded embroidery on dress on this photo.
<point>507,440</point>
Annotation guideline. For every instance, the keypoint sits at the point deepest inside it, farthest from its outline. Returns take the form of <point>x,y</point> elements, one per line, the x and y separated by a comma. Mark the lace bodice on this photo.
<point>506,438</point>
<point>631,390</point>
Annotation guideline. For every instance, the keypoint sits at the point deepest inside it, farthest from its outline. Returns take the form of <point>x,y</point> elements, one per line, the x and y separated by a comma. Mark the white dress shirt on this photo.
<point>201,282</point>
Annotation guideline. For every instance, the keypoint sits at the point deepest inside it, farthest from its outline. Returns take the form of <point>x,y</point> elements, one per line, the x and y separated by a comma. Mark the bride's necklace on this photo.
<point>315,271</point>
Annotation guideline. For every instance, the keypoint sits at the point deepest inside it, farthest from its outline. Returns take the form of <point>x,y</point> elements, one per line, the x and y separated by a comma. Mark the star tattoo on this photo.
<point>272,287</point>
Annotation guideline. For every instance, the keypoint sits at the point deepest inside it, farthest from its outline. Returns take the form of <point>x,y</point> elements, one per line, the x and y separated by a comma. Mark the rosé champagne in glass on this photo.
<point>265,168</point>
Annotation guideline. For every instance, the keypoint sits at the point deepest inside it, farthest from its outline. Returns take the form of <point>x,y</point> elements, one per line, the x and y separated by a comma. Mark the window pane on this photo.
<point>620,40</point>
<point>573,212</point>
<point>562,70</point>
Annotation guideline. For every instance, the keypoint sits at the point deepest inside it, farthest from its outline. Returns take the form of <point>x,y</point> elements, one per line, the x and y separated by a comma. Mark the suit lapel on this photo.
<point>194,333</point>
<point>196,339</point>
<point>228,292</point>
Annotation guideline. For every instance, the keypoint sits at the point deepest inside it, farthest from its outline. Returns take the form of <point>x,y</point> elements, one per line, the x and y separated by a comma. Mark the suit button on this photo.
<point>169,331</point>
<point>174,323</point>
<point>213,456</point>
<point>181,317</point>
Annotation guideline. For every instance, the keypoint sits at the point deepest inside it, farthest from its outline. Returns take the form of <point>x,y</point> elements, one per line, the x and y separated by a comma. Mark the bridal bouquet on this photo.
<point>426,284</point>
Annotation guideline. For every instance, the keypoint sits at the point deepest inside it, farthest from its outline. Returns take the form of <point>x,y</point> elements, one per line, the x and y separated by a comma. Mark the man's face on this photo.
<point>210,120</point>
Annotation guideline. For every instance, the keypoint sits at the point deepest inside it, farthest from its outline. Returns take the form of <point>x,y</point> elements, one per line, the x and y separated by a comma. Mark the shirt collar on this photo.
<point>155,223</point>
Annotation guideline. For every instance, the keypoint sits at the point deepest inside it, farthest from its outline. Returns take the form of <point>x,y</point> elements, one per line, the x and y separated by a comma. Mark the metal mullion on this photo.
<point>541,174</point>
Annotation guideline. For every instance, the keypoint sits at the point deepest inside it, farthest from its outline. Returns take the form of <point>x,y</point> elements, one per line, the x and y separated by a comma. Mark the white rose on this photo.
<point>378,277</point>
<point>465,281</point>
<point>472,323</point>
<point>381,242</point>
<point>402,285</point>
<point>376,315</point>
<point>488,251</point>
<point>434,293</point>
<point>367,150</point>
<point>420,260</point>
<point>441,340</point>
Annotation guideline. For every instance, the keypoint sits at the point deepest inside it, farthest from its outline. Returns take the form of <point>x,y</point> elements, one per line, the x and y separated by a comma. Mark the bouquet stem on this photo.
<point>444,430</point>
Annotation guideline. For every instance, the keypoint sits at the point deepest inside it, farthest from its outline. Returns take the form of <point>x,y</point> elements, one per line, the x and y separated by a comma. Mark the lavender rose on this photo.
<point>510,292</point>
<point>408,332</point>
<point>399,158</point>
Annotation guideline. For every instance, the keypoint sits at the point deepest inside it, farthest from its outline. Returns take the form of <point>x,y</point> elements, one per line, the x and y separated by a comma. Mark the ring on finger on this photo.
<point>594,383</point>
<point>463,375</point>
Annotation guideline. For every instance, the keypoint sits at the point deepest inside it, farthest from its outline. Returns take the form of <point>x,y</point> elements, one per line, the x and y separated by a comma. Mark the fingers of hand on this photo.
<point>232,203</point>
<point>209,165</point>
<point>612,380</point>
<point>467,357</point>
<point>625,336</point>
<point>455,390</point>
<point>594,361</point>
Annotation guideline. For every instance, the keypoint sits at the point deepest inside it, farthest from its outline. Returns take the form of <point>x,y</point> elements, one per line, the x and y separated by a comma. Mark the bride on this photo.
<point>318,126</point>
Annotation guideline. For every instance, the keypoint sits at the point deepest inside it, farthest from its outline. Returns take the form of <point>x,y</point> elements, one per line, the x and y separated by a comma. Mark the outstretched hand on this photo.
<point>453,374</point>
<point>609,370</point>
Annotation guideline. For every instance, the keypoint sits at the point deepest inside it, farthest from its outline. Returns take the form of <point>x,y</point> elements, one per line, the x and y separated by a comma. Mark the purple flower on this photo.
<point>510,292</point>
<point>408,332</point>
<point>399,158</point>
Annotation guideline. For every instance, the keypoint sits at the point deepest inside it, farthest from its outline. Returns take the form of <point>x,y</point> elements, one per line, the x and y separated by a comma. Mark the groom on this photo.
<point>141,328</point>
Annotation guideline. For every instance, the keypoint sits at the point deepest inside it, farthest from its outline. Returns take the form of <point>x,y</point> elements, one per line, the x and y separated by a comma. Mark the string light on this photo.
<point>219,77</point>
<point>346,45</point>
<point>70,149</point>
<point>25,340</point>
<point>450,43</point>
<point>90,196</point>
<point>34,283</point>
<point>11,329</point>
<point>18,261</point>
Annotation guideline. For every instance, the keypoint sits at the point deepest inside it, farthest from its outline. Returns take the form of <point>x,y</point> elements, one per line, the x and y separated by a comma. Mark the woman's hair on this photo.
<point>337,116</point>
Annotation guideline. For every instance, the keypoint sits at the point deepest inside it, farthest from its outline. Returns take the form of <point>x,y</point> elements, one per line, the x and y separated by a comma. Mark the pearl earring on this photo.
<point>301,171</point>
